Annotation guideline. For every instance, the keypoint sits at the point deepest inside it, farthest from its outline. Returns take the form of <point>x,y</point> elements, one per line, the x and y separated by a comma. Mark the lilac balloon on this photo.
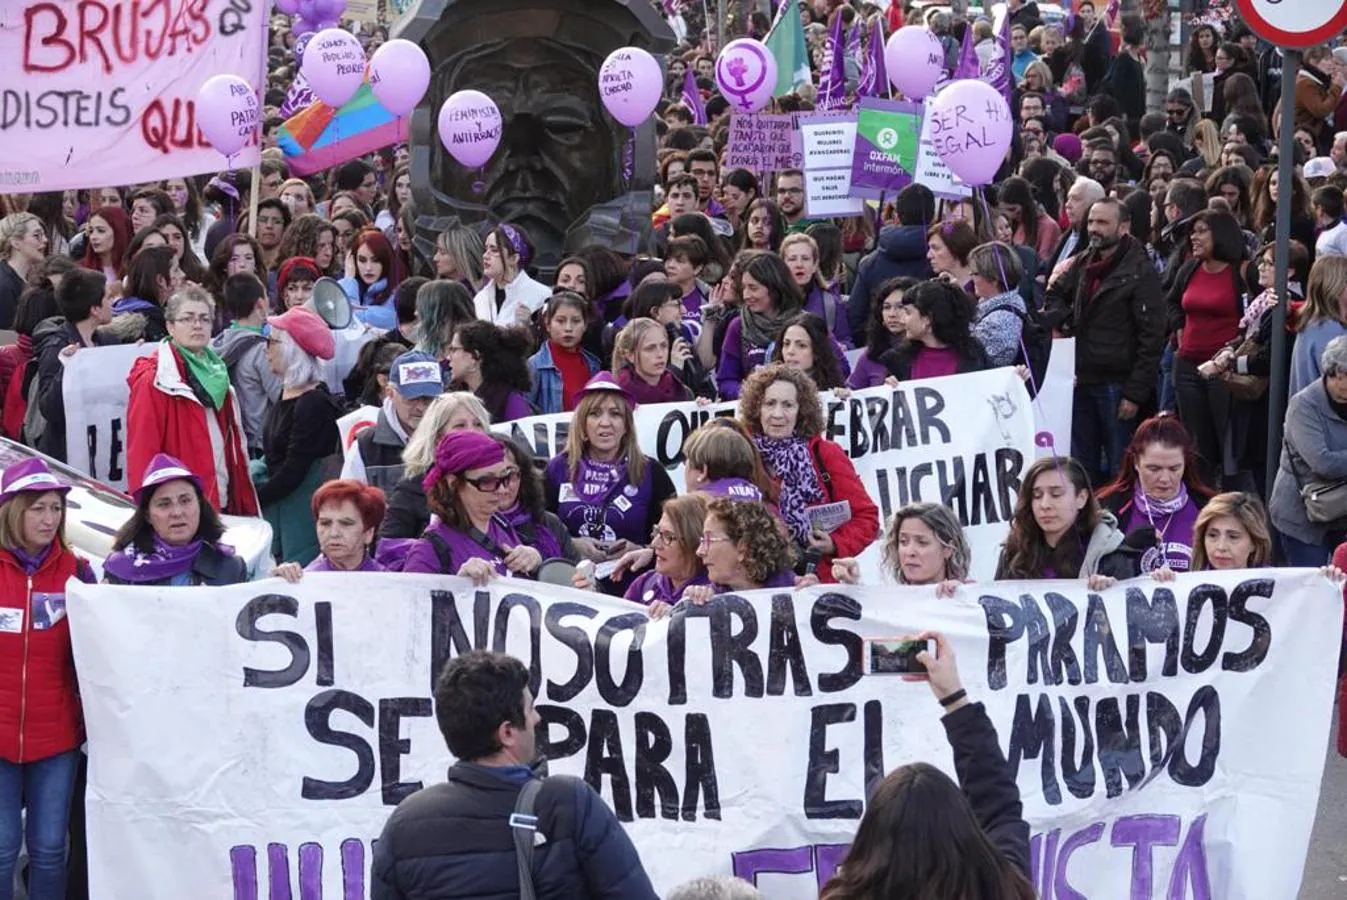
<point>470,127</point>
<point>915,60</point>
<point>307,9</point>
<point>630,83</point>
<point>746,75</point>
<point>334,66</point>
<point>227,112</point>
<point>325,24</point>
<point>329,9</point>
<point>399,74</point>
<point>289,7</point>
<point>971,129</point>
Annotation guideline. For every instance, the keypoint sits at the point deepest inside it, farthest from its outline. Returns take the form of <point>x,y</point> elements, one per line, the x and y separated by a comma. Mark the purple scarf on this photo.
<point>1154,509</point>
<point>534,531</point>
<point>31,562</point>
<point>165,562</point>
<point>596,481</point>
<point>788,461</point>
<point>668,390</point>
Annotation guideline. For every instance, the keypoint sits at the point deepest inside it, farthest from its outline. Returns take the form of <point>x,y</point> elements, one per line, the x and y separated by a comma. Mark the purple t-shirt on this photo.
<point>933,362</point>
<point>322,564</point>
<point>868,373</point>
<point>1174,536</point>
<point>516,407</point>
<point>783,579</point>
<point>601,509</point>
<point>651,586</point>
<point>693,301</point>
<point>423,558</point>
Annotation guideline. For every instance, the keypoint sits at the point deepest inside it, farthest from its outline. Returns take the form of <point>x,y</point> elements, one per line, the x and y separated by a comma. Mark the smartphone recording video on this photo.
<point>893,656</point>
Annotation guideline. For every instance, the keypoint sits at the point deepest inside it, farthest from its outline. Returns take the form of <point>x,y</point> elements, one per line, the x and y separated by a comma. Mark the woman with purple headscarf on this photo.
<point>465,489</point>
<point>173,538</point>
<point>510,296</point>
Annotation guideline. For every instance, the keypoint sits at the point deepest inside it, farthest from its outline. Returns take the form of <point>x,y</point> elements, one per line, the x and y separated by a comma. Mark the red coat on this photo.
<point>39,697</point>
<point>164,416</point>
<point>853,537</point>
<point>12,367</point>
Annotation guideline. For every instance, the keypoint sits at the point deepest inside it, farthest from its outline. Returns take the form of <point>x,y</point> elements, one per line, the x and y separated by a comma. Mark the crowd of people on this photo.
<point>1146,235</point>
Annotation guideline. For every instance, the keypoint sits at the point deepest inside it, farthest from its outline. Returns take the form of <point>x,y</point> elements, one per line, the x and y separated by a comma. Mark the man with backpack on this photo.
<point>494,829</point>
<point>1110,301</point>
<point>243,347</point>
<point>84,304</point>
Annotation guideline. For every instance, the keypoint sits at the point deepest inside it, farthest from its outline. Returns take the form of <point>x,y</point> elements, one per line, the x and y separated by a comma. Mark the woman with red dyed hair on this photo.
<point>373,274</point>
<point>1158,493</point>
<point>347,514</point>
<point>108,235</point>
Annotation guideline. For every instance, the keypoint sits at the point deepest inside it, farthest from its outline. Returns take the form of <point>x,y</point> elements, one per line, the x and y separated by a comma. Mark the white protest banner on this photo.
<point>100,92</point>
<point>95,393</point>
<point>961,440</point>
<point>1052,406</point>
<point>1168,740</point>
<point>828,141</point>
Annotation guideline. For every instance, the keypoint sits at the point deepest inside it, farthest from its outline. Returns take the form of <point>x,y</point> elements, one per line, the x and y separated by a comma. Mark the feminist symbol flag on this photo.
<point>832,85</point>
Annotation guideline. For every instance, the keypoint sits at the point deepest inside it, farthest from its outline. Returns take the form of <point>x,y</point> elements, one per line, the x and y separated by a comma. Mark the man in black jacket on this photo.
<point>84,305</point>
<point>455,840</point>
<point>901,252</point>
<point>1110,301</point>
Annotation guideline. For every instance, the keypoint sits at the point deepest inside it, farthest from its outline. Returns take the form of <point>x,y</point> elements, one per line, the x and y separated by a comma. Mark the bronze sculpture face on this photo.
<point>560,153</point>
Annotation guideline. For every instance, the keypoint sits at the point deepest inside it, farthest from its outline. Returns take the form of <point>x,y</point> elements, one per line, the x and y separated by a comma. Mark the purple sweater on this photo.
<point>868,373</point>
<point>734,365</point>
<point>423,558</point>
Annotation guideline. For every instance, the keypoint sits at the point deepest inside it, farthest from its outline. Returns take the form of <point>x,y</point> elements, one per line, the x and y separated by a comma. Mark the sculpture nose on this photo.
<point>524,136</point>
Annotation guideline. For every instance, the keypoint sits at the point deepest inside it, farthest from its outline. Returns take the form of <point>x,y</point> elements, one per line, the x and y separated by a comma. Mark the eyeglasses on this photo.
<point>201,319</point>
<point>660,538</point>
<point>489,484</point>
<point>707,540</point>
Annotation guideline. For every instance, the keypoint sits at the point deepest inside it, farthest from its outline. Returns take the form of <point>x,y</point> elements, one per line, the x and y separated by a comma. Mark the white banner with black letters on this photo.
<point>95,392</point>
<point>251,741</point>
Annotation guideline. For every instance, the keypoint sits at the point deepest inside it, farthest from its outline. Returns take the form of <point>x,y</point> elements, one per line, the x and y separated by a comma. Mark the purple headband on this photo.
<point>224,187</point>
<point>459,451</point>
<point>516,239</point>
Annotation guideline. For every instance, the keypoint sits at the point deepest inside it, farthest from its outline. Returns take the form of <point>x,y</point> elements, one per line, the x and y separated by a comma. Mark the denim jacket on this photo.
<point>546,395</point>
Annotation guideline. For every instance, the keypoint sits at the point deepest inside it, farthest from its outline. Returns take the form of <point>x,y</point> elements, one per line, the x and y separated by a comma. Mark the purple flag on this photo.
<point>692,98</point>
<point>832,82</point>
<point>998,69</point>
<point>968,64</point>
<point>854,42</point>
<point>1112,12</point>
<point>874,71</point>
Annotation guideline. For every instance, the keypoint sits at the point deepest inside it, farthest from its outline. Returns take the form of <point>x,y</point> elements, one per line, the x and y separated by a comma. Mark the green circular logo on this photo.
<point>887,138</point>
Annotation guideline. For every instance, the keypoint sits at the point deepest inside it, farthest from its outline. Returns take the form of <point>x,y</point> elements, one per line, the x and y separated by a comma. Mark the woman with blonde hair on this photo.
<point>801,255</point>
<point>602,486</point>
<point>1231,533</point>
<point>296,194</point>
<point>1207,143</point>
<point>407,514</point>
<point>641,355</point>
<point>926,546</point>
<point>458,256</point>
<point>1321,319</point>
<point>23,247</point>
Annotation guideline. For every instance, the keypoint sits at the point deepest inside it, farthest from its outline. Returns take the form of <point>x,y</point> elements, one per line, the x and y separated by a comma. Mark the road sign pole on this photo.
<point>1277,382</point>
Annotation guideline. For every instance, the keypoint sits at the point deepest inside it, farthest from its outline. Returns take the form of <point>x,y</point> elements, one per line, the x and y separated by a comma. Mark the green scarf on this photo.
<point>209,370</point>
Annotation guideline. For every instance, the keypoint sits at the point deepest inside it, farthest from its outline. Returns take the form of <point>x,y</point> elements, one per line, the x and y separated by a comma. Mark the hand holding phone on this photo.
<point>896,656</point>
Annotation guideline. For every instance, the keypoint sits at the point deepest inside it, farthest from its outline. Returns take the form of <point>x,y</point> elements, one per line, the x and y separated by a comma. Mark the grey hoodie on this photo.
<point>245,353</point>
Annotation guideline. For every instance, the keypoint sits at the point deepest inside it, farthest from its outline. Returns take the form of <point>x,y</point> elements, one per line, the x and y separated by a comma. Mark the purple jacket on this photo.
<point>423,558</point>
<point>735,366</point>
<point>868,373</point>
<point>651,586</point>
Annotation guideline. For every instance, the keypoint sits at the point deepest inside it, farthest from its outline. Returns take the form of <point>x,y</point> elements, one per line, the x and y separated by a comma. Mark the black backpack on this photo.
<point>1035,347</point>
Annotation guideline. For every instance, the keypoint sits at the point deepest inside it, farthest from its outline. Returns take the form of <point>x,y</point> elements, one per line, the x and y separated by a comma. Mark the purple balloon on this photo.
<point>307,9</point>
<point>971,129</point>
<point>630,83</point>
<point>746,75</point>
<point>399,74</point>
<point>470,127</point>
<point>289,7</point>
<point>325,24</point>
<point>227,112</point>
<point>334,66</point>
<point>329,9</point>
<point>915,59</point>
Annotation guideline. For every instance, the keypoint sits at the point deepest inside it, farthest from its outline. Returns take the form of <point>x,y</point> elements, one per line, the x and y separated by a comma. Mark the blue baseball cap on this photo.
<point>416,374</point>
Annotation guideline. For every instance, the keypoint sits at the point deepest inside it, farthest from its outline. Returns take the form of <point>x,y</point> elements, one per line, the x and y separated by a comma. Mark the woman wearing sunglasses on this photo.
<point>465,488</point>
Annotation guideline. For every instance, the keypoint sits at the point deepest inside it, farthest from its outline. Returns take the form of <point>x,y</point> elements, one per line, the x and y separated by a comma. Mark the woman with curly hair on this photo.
<point>926,546</point>
<point>314,237</point>
<point>492,362</point>
<point>780,408</point>
<point>938,318</point>
<point>743,549</point>
<point>805,345</point>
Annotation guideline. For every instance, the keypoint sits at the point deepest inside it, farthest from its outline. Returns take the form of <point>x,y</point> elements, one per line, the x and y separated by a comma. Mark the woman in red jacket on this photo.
<point>182,404</point>
<point>40,724</point>
<point>822,500</point>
